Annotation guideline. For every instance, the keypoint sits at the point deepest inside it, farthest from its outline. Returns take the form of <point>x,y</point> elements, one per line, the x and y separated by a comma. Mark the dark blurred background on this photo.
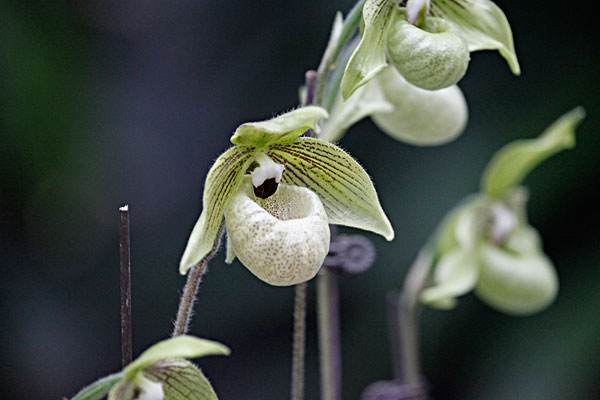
<point>109,102</point>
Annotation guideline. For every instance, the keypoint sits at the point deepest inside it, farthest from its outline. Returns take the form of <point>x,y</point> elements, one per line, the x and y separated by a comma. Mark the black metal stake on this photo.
<point>125,285</point>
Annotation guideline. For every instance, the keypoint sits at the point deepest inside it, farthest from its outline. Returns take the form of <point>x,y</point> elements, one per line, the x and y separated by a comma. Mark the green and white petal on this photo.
<point>419,117</point>
<point>368,59</point>
<point>455,274</point>
<point>221,184</point>
<point>367,100</point>
<point>482,24</point>
<point>178,347</point>
<point>282,239</point>
<point>516,284</point>
<point>181,380</point>
<point>513,162</point>
<point>282,129</point>
<point>341,183</point>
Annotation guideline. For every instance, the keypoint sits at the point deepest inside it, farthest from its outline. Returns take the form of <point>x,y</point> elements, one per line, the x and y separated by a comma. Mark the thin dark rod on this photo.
<point>125,285</point>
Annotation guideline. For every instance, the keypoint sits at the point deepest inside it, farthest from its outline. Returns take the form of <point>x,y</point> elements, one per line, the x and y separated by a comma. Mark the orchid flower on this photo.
<point>487,244</point>
<point>278,191</point>
<point>162,372</point>
<point>428,41</point>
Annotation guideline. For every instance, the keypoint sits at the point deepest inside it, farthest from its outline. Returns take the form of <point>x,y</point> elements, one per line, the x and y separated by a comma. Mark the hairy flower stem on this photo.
<point>407,365</point>
<point>329,334</point>
<point>125,286</point>
<point>298,352</point>
<point>188,297</point>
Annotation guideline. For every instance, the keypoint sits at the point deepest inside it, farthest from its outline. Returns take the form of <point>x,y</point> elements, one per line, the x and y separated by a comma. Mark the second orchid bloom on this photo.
<point>278,191</point>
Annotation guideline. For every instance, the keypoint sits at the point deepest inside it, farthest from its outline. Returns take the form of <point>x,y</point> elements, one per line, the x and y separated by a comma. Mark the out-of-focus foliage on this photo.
<point>107,102</point>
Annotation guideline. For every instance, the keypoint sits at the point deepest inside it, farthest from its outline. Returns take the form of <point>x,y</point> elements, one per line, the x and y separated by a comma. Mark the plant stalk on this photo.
<point>188,298</point>
<point>407,362</point>
<point>329,334</point>
<point>125,286</point>
<point>299,346</point>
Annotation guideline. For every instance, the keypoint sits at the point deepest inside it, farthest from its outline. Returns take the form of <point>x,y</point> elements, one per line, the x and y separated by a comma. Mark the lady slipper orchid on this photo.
<point>488,246</point>
<point>160,373</point>
<point>278,191</point>
<point>428,41</point>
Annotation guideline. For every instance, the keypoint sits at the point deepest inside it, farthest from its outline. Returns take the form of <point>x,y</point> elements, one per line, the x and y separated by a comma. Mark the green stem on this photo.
<point>329,335</point>
<point>330,57</point>
<point>407,363</point>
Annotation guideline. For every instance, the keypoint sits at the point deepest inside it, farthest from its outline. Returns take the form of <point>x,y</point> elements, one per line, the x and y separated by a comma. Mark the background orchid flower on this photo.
<point>431,52</point>
<point>488,246</point>
<point>403,111</point>
<point>278,191</point>
<point>160,373</point>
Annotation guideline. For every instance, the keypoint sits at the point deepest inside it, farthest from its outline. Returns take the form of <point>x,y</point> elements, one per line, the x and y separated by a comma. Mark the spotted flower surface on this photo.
<point>277,192</point>
<point>428,42</point>
<point>487,244</point>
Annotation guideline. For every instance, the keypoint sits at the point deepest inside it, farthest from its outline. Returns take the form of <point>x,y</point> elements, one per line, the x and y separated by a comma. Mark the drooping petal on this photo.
<point>221,184</point>
<point>341,183</point>
<point>98,389</point>
<point>369,56</point>
<point>516,284</point>
<point>177,347</point>
<point>482,24</point>
<point>455,274</point>
<point>283,239</point>
<point>344,114</point>
<point>284,128</point>
<point>420,117</point>
<point>513,162</point>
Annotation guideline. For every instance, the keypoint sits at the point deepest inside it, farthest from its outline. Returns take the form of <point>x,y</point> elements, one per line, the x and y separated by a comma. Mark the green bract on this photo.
<point>480,24</point>
<point>161,372</point>
<point>403,111</point>
<point>273,151</point>
<point>513,162</point>
<point>487,245</point>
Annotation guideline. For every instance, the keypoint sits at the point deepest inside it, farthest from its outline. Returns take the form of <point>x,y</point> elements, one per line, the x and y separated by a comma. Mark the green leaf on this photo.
<point>516,284</point>
<point>455,274</point>
<point>221,184</point>
<point>282,129</point>
<point>513,162</point>
<point>177,347</point>
<point>369,56</point>
<point>98,389</point>
<point>181,380</point>
<point>482,24</point>
<point>341,183</point>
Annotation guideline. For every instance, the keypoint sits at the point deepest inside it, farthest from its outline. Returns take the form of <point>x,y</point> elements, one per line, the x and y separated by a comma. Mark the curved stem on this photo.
<point>188,297</point>
<point>407,363</point>
<point>297,392</point>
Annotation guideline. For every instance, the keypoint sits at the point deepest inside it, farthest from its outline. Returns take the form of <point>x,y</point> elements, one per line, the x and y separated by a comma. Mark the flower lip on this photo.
<point>283,239</point>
